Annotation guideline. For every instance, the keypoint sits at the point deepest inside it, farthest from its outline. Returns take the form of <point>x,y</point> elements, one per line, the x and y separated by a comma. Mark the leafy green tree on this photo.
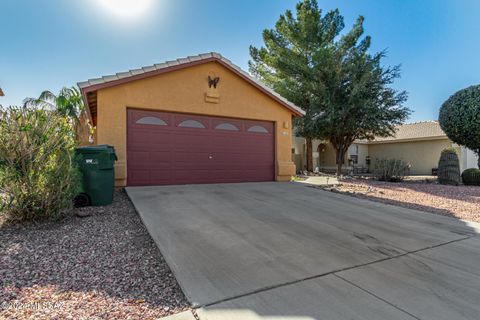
<point>343,89</point>
<point>460,118</point>
<point>357,101</point>
<point>290,57</point>
<point>68,103</point>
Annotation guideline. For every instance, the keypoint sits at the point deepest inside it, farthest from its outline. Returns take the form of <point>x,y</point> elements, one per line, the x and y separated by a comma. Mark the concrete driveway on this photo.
<point>291,251</point>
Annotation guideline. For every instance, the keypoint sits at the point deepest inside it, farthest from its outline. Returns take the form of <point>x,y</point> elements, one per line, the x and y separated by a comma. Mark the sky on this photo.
<point>48,44</point>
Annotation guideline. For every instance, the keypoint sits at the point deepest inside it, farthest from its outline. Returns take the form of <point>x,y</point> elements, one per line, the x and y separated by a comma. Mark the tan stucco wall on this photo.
<point>327,158</point>
<point>422,155</point>
<point>298,154</point>
<point>184,91</point>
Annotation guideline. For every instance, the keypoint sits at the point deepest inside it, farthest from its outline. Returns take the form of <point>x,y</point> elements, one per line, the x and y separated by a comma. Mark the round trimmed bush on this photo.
<point>471,177</point>
<point>460,118</point>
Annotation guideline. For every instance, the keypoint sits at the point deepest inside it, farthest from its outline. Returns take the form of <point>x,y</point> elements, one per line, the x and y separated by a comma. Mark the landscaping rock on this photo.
<point>83,213</point>
<point>462,202</point>
<point>103,267</point>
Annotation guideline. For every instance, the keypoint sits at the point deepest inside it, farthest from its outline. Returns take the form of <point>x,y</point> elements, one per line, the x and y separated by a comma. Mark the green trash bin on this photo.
<point>96,164</point>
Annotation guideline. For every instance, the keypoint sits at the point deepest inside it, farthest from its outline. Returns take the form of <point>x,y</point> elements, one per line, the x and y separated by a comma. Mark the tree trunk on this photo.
<point>309,154</point>
<point>340,158</point>
<point>339,169</point>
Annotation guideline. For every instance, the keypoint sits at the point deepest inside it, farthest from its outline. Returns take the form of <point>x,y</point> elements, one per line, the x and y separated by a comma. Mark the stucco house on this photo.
<point>199,119</point>
<point>418,143</point>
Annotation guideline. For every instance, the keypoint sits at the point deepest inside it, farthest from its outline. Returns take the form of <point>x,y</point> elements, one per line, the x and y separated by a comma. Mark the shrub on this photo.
<point>392,170</point>
<point>449,167</point>
<point>460,118</point>
<point>38,176</point>
<point>471,177</point>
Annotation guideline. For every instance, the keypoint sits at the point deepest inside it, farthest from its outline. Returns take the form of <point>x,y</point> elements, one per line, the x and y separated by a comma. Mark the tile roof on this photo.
<point>111,80</point>
<point>415,131</point>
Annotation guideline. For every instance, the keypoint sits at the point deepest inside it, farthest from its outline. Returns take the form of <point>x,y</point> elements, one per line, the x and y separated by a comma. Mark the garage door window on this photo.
<point>191,124</point>
<point>257,129</point>
<point>226,126</point>
<point>152,121</point>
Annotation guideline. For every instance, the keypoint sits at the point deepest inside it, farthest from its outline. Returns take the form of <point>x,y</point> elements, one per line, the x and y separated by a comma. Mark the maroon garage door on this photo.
<point>170,148</point>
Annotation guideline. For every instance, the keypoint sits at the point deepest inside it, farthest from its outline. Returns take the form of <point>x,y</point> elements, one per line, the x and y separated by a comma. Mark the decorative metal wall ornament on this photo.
<point>213,81</point>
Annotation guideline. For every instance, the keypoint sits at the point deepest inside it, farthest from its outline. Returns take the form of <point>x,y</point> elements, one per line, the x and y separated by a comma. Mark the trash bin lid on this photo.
<point>99,149</point>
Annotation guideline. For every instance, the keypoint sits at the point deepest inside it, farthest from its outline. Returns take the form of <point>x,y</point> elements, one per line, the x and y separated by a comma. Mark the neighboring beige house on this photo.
<point>419,144</point>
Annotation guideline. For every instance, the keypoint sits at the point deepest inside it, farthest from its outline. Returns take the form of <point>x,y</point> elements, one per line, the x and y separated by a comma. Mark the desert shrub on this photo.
<point>38,176</point>
<point>460,118</point>
<point>392,170</point>
<point>449,167</point>
<point>471,177</point>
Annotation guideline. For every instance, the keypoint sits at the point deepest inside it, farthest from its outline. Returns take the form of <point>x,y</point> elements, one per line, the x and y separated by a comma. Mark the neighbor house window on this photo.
<point>191,124</point>
<point>353,153</point>
<point>258,129</point>
<point>152,121</point>
<point>226,126</point>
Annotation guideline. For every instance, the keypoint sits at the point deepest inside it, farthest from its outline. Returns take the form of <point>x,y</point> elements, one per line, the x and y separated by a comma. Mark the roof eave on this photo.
<point>409,140</point>
<point>85,103</point>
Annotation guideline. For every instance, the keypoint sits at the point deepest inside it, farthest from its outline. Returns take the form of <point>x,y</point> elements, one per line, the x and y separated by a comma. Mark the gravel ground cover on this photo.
<point>462,202</point>
<point>104,266</point>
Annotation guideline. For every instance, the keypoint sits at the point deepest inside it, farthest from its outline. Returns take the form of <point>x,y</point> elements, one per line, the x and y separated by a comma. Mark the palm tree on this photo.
<point>68,103</point>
